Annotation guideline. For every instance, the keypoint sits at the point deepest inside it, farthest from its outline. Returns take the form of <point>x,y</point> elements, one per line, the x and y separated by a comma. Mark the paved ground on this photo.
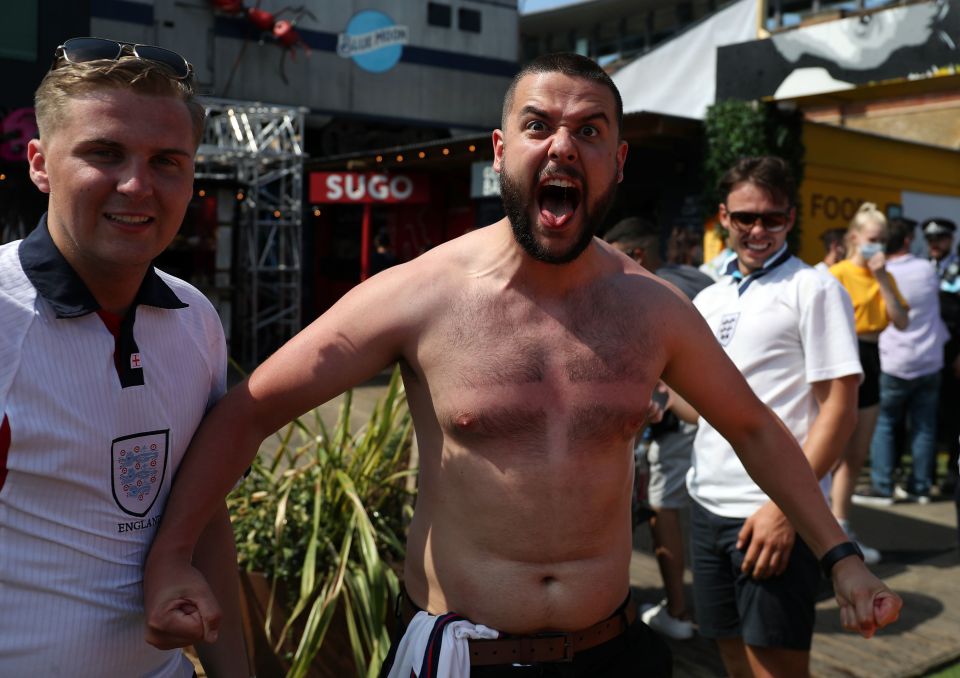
<point>921,562</point>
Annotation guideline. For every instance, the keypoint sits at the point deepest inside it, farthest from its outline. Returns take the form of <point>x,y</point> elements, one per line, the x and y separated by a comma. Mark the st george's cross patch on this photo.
<point>138,465</point>
<point>728,326</point>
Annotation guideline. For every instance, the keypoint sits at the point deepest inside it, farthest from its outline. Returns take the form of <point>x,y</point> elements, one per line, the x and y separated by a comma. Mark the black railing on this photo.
<point>782,14</point>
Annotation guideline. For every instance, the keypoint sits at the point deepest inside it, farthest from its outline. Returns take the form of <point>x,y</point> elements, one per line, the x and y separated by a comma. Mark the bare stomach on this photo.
<point>521,598</point>
<point>520,556</point>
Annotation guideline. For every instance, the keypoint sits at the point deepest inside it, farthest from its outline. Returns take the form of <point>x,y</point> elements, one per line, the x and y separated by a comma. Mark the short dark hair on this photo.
<point>899,230</point>
<point>766,171</point>
<point>832,235</point>
<point>633,232</point>
<point>569,64</point>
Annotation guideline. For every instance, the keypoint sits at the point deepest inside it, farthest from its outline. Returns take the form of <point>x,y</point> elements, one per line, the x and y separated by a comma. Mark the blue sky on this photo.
<point>528,6</point>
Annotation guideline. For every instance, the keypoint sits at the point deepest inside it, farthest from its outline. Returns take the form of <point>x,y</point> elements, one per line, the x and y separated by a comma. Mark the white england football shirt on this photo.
<point>94,443</point>
<point>785,330</point>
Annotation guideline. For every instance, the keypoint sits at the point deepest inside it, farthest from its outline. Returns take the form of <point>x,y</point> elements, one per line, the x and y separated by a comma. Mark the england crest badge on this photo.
<point>138,464</point>
<point>728,326</point>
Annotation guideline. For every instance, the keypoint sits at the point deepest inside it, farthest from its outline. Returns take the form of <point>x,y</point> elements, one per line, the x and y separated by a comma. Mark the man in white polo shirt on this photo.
<point>789,329</point>
<point>106,368</point>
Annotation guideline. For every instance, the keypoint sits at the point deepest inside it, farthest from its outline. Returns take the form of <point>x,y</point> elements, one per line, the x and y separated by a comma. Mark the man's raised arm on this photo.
<point>701,373</point>
<point>362,334</point>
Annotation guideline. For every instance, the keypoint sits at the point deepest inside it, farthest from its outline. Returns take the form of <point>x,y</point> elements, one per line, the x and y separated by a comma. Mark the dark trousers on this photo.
<point>948,423</point>
<point>638,652</point>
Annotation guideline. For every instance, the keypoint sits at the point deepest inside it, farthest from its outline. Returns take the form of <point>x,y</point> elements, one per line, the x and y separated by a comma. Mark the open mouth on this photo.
<point>558,199</point>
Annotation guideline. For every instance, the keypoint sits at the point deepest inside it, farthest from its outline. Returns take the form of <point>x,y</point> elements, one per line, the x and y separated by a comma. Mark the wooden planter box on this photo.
<point>335,659</point>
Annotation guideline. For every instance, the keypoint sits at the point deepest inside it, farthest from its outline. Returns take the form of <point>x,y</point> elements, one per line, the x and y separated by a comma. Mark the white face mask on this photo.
<point>868,249</point>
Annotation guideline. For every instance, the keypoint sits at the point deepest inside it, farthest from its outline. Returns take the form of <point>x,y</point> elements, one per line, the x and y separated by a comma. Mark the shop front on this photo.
<point>364,221</point>
<point>845,168</point>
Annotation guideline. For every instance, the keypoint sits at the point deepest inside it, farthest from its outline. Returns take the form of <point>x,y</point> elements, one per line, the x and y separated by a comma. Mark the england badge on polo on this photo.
<point>138,465</point>
<point>728,325</point>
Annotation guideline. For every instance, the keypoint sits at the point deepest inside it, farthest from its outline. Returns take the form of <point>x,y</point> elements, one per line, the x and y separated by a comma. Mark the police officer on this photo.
<point>939,234</point>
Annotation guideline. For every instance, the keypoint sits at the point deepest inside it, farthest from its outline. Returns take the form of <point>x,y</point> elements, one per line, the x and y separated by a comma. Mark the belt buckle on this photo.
<point>567,645</point>
<point>567,649</point>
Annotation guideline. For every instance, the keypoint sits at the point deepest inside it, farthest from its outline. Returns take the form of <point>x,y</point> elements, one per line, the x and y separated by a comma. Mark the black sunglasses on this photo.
<point>772,222</point>
<point>82,50</point>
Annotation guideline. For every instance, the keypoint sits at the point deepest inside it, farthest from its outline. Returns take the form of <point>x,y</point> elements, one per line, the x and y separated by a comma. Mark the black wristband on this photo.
<point>839,552</point>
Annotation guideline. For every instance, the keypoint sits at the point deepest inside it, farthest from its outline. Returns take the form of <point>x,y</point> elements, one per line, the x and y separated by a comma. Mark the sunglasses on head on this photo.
<point>772,222</point>
<point>82,50</point>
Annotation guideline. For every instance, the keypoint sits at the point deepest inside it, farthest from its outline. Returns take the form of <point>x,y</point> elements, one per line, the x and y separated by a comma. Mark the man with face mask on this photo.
<point>529,351</point>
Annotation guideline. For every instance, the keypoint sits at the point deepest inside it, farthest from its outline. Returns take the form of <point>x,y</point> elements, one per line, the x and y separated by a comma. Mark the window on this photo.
<point>439,14</point>
<point>18,31</point>
<point>468,20</point>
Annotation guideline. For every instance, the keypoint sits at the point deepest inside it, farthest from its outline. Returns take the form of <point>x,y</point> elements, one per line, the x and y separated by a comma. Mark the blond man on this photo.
<point>107,367</point>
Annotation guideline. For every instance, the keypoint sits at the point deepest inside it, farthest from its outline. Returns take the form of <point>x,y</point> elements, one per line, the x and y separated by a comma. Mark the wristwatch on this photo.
<point>839,552</point>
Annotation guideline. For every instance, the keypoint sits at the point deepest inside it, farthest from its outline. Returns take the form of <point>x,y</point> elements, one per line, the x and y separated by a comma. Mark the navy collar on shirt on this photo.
<point>57,282</point>
<point>743,282</point>
<point>61,287</point>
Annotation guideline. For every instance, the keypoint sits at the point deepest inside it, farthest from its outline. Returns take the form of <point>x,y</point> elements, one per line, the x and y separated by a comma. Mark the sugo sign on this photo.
<point>368,187</point>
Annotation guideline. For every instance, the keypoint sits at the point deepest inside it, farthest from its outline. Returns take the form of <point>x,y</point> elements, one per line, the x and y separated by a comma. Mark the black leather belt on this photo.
<point>540,647</point>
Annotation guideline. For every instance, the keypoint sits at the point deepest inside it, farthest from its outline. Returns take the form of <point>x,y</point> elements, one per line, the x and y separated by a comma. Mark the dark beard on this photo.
<point>516,205</point>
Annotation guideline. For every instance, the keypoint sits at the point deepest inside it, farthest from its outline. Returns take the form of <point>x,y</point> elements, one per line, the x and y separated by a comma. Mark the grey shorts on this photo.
<point>669,460</point>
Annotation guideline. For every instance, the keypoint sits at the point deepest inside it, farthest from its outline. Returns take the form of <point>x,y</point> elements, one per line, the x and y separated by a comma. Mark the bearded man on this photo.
<point>529,351</point>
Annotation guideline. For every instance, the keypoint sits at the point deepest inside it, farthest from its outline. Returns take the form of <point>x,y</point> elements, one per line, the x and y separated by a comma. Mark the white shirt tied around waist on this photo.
<point>442,642</point>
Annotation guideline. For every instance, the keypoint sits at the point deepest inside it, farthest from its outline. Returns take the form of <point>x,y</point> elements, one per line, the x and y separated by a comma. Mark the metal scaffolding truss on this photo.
<point>259,149</point>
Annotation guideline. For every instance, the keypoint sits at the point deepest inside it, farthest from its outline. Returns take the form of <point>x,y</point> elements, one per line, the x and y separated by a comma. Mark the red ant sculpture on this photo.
<point>268,24</point>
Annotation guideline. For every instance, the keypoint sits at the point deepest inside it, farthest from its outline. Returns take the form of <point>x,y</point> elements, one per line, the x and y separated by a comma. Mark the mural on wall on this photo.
<point>910,42</point>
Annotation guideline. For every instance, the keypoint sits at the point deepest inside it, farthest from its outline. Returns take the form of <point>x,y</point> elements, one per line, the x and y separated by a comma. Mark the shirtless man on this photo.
<point>529,352</point>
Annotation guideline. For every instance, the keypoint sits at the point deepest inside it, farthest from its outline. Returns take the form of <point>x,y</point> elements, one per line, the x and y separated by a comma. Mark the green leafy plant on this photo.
<point>732,130</point>
<point>322,517</point>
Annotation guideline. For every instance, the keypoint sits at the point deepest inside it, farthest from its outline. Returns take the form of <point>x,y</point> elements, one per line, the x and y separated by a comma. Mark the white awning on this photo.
<point>679,77</point>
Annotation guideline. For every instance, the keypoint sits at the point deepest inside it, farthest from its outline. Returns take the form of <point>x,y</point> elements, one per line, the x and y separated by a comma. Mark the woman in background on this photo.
<point>876,303</point>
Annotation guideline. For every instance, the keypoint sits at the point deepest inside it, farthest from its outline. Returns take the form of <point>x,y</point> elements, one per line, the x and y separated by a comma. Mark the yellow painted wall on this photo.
<point>713,244</point>
<point>845,168</point>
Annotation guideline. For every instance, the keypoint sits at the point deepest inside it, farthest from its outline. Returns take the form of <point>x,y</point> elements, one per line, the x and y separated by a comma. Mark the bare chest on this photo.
<point>515,372</point>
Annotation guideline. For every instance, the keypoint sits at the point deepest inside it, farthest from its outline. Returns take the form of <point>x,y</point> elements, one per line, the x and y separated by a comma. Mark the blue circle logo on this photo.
<point>373,41</point>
